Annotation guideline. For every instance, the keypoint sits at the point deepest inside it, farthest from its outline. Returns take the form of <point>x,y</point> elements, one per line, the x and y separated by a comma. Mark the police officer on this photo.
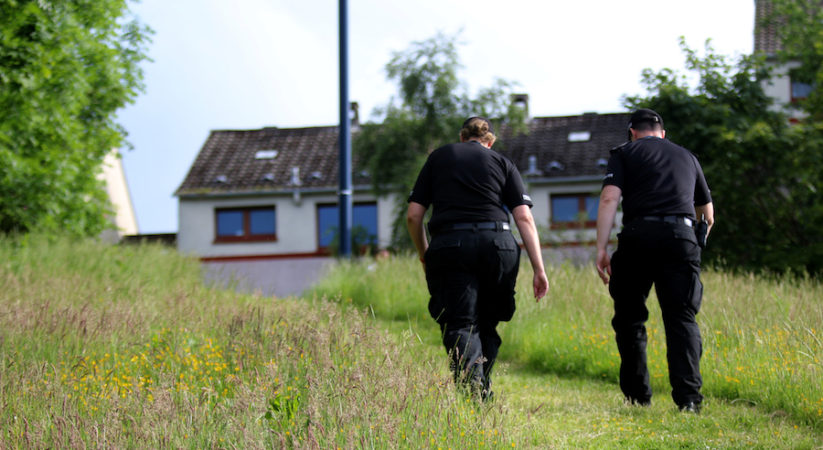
<point>664,193</point>
<point>472,262</point>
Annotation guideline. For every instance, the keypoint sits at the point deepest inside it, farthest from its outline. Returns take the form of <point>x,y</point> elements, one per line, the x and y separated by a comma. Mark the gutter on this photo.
<point>253,193</point>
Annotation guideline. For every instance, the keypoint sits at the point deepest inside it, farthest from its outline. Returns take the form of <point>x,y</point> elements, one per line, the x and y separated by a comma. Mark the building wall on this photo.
<point>779,87</point>
<point>117,188</point>
<point>541,197</point>
<point>296,221</point>
<point>296,224</point>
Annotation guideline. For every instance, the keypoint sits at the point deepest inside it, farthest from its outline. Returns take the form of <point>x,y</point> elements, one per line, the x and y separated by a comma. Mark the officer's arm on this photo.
<point>414,222</point>
<point>606,212</point>
<point>531,242</point>
<point>707,213</point>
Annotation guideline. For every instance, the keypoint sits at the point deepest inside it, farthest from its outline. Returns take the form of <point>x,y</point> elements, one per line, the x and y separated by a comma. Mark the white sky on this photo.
<point>245,64</point>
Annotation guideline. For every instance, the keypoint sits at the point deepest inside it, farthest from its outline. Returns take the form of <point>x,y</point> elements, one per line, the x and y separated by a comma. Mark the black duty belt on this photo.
<point>669,219</point>
<point>499,226</point>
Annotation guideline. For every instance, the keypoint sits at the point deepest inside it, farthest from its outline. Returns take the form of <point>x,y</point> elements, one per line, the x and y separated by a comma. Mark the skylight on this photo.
<point>580,136</point>
<point>266,154</point>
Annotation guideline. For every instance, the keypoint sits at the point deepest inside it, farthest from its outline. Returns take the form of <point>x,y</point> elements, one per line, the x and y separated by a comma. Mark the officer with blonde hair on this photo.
<point>472,261</point>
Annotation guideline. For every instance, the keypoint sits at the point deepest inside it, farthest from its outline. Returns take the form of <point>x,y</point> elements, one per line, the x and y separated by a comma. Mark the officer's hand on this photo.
<point>541,285</point>
<point>604,266</point>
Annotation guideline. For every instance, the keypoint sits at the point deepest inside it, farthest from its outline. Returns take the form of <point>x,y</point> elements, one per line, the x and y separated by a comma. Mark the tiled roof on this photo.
<point>248,161</point>
<point>244,161</point>
<point>765,36</point>
<point>565,147</point>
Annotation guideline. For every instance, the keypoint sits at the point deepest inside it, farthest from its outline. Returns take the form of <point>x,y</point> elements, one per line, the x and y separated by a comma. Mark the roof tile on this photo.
<point>227,162</point>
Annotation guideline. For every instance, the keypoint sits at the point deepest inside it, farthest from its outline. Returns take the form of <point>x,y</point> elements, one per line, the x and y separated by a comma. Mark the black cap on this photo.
<point>645,115</point>
<point>488,122</point>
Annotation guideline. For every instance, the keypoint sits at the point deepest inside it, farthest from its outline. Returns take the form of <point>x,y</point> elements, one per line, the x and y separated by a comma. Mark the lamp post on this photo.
<point>345,195</point>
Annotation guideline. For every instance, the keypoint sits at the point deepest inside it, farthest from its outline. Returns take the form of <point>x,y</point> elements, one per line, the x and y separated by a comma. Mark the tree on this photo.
<point>764,172</point>
<point>432,105</point>
<point>66,67</point>
<point>798,26</point>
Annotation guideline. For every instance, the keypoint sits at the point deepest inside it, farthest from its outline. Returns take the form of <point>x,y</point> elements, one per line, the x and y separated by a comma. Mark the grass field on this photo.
<point>124,347</point>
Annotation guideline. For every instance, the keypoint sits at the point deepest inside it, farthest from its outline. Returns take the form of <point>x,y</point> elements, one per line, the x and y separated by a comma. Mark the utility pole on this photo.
<point>345,201</point>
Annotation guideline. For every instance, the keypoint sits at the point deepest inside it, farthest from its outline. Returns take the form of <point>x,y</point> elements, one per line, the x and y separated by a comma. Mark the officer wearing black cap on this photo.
<point>664,195</point>
<point>472,262</point>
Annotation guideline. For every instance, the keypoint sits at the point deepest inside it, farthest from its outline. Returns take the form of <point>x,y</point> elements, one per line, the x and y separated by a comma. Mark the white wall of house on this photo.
<point>385,216</point>
<point>118,190</point>
<point>296,224</point>
<point>780,87</point>
<point>541,197</point>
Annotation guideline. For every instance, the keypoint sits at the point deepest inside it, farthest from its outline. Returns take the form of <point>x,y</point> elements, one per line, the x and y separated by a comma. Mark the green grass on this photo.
<point>125,347</point>
<point>762,338</point>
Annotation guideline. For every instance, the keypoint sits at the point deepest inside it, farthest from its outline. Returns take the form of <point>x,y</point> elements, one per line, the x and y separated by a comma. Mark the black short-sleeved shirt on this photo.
<point>657,178</point>
<point>468,182</point>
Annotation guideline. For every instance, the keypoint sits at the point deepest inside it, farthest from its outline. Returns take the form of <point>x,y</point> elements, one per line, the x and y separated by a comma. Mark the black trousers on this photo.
<point>666,255</point>
<point>471,277</point>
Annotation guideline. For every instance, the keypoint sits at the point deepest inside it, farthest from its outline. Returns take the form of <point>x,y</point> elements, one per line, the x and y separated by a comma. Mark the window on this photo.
<point>574,210</point>
<point>364,224</point>
<point>245,224</point>
<point>800,89</point>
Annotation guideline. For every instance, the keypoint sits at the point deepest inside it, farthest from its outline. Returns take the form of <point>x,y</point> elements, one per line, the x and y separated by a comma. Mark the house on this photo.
<point>784,86</point>
<point>272,192</point>
<point>117,189</point>
<point>563,160</point>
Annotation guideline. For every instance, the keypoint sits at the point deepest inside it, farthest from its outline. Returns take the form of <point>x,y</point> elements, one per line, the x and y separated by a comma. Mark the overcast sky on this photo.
<point>246,64</point>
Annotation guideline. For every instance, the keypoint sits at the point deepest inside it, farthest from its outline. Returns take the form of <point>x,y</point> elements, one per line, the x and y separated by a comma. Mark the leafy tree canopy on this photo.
<point>764,172</point>
<point>66,67</point>
<point>430,107</point>
<point>798,26</point>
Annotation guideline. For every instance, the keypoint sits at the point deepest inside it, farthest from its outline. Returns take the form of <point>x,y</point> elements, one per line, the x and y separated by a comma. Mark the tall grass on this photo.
<point>124,347</point>
<point>761,338</point>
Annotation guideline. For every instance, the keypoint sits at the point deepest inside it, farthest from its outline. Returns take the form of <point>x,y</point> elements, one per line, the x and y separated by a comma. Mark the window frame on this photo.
<point>792,84</point>
<point>247,235</point>
<point>322,248</point>
<point>581,208</point>
<point>793,80</point>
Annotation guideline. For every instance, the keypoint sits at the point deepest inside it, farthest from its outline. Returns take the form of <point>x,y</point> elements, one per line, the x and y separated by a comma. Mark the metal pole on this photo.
<point>345,202</point>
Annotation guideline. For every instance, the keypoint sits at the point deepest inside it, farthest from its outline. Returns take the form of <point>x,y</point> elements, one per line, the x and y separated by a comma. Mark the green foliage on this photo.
<point>432,105</point>
<point>763,171</point>
<point>65,69</point>
<point>798,25</point>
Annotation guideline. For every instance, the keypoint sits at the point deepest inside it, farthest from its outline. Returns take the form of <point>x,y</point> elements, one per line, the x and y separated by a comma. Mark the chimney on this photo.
<point>354,115</point>
<point>521,101</point>
<point>533,171</point>
<point>295,177</point>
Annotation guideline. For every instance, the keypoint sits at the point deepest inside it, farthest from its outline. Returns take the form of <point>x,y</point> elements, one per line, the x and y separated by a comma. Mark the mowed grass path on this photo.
<point>124,347</point>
